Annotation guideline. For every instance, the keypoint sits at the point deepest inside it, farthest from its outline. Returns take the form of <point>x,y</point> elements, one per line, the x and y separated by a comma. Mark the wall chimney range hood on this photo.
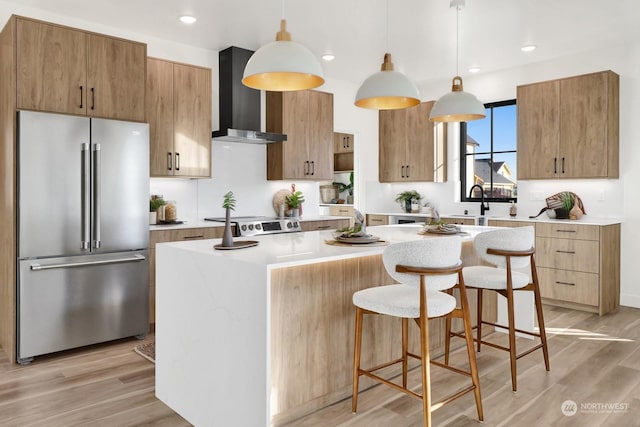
<point>239,105</point>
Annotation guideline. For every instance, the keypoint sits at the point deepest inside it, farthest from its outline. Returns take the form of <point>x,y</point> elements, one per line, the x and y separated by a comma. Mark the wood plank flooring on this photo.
<point>595,362</point>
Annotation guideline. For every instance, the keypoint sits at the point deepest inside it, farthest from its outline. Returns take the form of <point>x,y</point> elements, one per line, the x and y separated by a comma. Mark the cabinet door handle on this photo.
<point>402,171</point>
<point>323,227</point>
<point>93,98</point>
<point>565,231</point>
<point>200,236</point>
<point>177,161</point>
<point>306,167</point>
<point>565,283</point>
<point>566,252</point>
<point>348,145</point>
<point>344,142</point>
<point>563,165</point>
<point>407,171</point>
<point>313,167</point>
<point>81,97</point>
<point>169,161</point>
<point>555,165</point>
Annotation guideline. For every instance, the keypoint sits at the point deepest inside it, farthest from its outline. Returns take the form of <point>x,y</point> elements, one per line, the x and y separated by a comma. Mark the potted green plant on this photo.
<point>294,201</point>
<point>155,202</point>
<point>229,204</point>
<point>408,198</point>
<point>342,187</point>
<point>567,205</point>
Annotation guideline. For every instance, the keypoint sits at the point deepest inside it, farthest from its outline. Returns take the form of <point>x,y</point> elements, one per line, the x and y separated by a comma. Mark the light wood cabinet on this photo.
<point>343,152</point>
<point>179,116</point>
<point>65,70</point>
<point>458,220</point>
<point>342,143</point>
<point>173,235</point>
<point>411,148</point>
<point>306,117</point>
<point>375,219</point>
<point>579,265</point>
<point>568,128</point>
<point>324,224</point>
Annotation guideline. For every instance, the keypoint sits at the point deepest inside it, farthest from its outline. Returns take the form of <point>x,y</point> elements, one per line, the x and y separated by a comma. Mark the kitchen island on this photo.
<point>263,335</point>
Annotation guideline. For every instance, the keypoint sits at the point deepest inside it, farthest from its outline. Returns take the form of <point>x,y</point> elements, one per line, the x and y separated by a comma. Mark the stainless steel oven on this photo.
<point>256,226</point>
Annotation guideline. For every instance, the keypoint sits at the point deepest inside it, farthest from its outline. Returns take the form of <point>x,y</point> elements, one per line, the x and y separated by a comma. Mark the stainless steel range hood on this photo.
<point>239,105</point>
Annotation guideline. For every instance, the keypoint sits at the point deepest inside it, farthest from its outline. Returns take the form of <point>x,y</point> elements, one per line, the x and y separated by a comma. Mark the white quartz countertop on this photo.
<point>290,249</point>
<point>585,220</point>
<point>201,223</point>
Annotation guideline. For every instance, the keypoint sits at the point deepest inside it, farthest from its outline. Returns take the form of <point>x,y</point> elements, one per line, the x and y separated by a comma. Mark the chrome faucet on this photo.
<point>483,208</point>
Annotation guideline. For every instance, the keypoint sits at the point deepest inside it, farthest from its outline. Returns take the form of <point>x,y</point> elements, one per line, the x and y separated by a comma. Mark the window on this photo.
<point>488,154</point>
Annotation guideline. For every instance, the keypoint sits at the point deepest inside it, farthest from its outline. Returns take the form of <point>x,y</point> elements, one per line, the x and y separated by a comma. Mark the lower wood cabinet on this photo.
<point>173,235</point>
<point>578,265</point>
<point>458,220</point>
<point>375,219</point>
<point>324,224</point>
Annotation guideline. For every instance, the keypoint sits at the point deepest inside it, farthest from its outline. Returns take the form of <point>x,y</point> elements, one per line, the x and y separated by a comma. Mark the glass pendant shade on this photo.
<point>282,66</point>
<point>457,106</point>
<point>387,89</point>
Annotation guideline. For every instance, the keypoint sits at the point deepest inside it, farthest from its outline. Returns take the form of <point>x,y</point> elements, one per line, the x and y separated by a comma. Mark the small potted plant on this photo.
<point>567,205</point>
<point>229,204</point>
<point>294,201</point>
<point>342,187</point>
<point>155,202</point>
<point>407,199</point>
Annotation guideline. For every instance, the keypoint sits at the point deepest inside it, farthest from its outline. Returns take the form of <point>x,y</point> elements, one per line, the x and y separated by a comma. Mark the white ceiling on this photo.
<point>421,33</point>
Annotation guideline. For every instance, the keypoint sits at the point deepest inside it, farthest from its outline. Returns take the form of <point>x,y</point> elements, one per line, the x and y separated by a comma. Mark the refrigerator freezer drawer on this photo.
<point>71,302</point>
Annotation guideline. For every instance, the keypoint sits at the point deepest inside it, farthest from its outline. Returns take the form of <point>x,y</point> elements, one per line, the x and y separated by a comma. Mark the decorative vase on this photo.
<point>153,218</point>
<point>561,213</point>
<point>227,237</point>
<point>295,212</point>
<point>407,206</point>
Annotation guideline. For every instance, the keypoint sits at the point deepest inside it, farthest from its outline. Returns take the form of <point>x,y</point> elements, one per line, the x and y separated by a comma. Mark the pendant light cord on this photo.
<point>457,38</point>
<point>283,9</point>
<point>387,23</point>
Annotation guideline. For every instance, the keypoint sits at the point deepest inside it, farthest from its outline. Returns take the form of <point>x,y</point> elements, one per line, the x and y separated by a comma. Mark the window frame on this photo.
<point>463,156</point>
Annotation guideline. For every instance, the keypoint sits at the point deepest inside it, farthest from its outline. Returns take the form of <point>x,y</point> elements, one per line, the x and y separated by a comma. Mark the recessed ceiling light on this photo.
<point>187,19</point>
<point>528,48</point>
<point>328,57</point>
<point>474,69</point>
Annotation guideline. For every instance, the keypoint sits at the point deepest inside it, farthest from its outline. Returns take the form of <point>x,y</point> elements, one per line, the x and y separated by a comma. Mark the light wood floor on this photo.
<point>595,361</point>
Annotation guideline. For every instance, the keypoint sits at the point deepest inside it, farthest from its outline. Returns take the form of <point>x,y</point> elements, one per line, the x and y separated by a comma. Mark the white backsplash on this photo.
<point>237,167</point>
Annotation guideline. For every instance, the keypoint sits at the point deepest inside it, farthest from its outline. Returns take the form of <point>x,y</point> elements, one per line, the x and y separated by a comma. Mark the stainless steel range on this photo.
<point>257,226</point>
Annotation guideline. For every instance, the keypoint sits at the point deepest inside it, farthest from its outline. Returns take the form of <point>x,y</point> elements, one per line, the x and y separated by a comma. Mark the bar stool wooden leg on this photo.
<point>447,340</point>
<point>468,335</point>
<point>512,337</point>
<point>425,357</point>
<point>479,318</point>
<point>538,300</point>
<point>405,345</point>
<point>356,359</point>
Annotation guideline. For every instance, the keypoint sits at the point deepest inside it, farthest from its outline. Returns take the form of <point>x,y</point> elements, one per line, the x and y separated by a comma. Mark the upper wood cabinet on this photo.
<point>306,117</point>
<point>343,151</point>
<point>568,128</point>
<point>179,116</point>
<point>342,143</point>
<point>411,148</point>
<point>64,70</point>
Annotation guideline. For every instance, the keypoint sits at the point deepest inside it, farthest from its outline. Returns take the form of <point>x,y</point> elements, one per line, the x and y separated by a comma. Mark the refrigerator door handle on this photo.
<point>37,266</point>
<point>85,203</point>
<point>96,195</point>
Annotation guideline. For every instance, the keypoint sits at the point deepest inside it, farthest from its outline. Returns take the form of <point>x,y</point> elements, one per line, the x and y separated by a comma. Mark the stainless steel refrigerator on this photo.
<point>83,233</point>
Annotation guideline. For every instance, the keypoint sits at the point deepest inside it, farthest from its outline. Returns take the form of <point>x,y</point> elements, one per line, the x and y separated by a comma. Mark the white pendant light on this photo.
<point>387,89</point>
<point>458,105</point>
<point>283,65</point>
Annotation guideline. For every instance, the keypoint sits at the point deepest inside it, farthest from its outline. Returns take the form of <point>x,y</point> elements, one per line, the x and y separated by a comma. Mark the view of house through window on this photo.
<point>488,153</point>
